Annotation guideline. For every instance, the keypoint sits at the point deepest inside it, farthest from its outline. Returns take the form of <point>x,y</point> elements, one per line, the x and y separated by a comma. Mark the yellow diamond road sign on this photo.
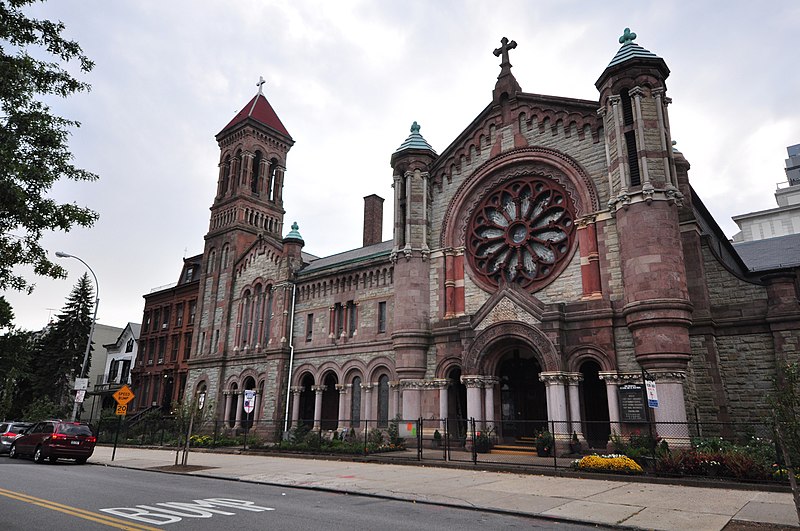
<point>123,395</point>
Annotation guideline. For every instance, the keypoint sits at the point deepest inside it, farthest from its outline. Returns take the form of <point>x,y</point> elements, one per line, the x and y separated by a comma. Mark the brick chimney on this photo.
<point>373,220</point>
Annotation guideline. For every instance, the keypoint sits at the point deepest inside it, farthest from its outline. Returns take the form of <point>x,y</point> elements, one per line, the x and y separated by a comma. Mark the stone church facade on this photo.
<point>544,258</point>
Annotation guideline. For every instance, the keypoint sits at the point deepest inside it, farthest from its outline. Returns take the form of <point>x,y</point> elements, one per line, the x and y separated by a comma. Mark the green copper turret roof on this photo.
<point>415,141</point>
<point>294,234</point>
<point>630,49</point>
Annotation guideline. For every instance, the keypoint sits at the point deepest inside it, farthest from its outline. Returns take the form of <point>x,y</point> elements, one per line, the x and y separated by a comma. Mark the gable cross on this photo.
<point>505,46</point>
<point>260,84</point>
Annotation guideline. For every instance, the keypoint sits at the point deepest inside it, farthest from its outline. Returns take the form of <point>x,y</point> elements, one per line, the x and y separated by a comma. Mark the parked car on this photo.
<point>55,439</point>
<point>10,431</point>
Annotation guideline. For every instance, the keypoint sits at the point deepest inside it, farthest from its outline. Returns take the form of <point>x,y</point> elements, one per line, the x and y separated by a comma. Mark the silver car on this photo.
<point>10,431</point>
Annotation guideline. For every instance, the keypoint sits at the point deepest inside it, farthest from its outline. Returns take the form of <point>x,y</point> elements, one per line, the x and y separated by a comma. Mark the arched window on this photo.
<point>630,138</point>
<point>383,401</point>
<point>225,252</point>
<point>355,402</point>
<point>244,318</point>
<point>273,166</point>
<point>212,256</point>
<point>226,176</point>
<point>258,303</point>
<point>268,315</point>
<point>256,173</point>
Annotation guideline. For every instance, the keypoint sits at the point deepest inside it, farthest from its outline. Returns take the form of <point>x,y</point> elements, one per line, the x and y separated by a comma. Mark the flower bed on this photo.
<point>608,463</point>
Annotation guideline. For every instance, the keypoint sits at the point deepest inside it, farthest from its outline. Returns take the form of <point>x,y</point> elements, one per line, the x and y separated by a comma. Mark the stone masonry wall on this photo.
<point>748,368</point>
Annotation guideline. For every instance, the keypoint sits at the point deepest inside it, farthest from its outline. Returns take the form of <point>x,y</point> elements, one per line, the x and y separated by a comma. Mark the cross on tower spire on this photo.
<point>505,46</point>
<point>260,84</point>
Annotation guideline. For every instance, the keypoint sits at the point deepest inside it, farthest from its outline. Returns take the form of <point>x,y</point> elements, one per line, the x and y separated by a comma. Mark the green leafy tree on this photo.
<point>33,141</point>
<point>43,408</point>
<point>16,350</point>
<point>62,347</point>
<point>785,401</point>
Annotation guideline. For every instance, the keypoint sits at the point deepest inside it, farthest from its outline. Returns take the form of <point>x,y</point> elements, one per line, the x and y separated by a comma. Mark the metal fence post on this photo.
<point>553,449</point>
<point>446,439</point>
<point>419,438</point>
<point>366,431</point>
<point>474,449</point>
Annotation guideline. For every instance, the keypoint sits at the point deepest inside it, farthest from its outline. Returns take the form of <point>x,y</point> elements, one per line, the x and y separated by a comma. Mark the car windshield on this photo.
<point>3,428</point>
<point>19,428</point>
<point>74,429</point>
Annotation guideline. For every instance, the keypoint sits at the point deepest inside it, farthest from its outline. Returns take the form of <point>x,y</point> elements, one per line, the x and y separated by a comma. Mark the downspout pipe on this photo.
<point>291,361</point>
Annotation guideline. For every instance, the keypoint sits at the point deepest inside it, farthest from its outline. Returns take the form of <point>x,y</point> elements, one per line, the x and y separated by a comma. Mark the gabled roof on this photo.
<point>348,257</point>
<point>770,253</point>
<point>261,111</point>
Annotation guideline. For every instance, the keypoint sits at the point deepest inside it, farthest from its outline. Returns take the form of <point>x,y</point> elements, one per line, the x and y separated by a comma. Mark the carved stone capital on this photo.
<point>553,377</point>
<point>342,388</point>
<point>297,389</point>
<point>573,378</point>
<point>319,388</point>
<point>614,99</point>
<point>636,92</point>
<point>366,387</point>
<point>472,381</point>
<point>601,112</point>
<point>619,378</point>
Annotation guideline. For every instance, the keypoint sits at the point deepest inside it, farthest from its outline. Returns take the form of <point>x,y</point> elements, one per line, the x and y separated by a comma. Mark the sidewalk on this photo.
<point>620,503</point>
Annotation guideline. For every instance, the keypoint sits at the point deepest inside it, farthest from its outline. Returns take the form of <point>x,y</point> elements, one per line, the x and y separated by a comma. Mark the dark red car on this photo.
<point>54,439</point>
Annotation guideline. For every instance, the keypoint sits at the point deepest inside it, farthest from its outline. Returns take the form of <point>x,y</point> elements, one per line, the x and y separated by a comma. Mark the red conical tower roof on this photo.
<point>261,111</point>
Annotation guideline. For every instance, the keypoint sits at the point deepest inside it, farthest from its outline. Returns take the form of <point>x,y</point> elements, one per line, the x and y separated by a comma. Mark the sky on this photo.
<point>347,78</point>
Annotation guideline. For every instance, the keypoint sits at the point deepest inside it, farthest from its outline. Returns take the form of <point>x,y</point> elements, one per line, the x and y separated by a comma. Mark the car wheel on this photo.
<point>38,455</point>
<point>80,461</point>
<point>12,453</point>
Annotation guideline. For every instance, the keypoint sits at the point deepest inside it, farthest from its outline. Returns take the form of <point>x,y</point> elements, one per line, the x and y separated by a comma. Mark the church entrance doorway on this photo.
<point>330,403</point>
<point>595,406</point>
<point>456,406</point>
<point>523,402</point>
<point>307,401</point>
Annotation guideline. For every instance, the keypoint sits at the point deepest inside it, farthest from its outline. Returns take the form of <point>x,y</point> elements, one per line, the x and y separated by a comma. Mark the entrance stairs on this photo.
<point>520,446</point>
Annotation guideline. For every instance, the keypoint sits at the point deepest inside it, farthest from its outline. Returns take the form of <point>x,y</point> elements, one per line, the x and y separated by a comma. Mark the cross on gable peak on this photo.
<point>505,46</point>
<point>260,84</point>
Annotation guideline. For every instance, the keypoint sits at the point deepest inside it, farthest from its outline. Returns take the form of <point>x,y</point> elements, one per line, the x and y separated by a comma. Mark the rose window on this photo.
<point>521,232</point>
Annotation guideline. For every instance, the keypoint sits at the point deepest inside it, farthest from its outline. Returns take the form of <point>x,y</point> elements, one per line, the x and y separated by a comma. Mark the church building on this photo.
<point>554,252</point>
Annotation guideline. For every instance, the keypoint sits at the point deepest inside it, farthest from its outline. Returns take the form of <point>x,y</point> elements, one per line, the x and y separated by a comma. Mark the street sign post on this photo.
<point>652,393</point>
<point>122,410</point>
<point>249,401</point>
<point>81,384</point>
<point>80,394</point>
<point>123,395</point>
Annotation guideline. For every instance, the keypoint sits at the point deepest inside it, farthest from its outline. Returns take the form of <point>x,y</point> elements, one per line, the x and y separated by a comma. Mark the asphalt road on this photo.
<point>66,496</point>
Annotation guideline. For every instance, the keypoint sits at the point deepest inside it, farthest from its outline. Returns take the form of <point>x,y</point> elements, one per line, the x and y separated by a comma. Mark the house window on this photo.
<point>338,316</point>
<point>309,326</point>
<point>151,352</point>
<point>162,348</point>
<point>112,372</point>
<point>214,347</point>
<point>192,311</point>
<point>156,320</point>
<point>165,320</point>
<point>129,346</point>
<point>174,353</point>
<point>125,377</point>
<point>187,345</point>
<point>179,314</point>
<point>143,353</point>
<point>146,321</point>
<point>382,317</point>
<point>189,274</point>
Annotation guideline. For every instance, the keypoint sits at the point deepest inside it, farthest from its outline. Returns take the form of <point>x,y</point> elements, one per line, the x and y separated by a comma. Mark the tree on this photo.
<point>785,401</point>
<point>16,350</point>
<point>33,141</point>
<point>62,347</point>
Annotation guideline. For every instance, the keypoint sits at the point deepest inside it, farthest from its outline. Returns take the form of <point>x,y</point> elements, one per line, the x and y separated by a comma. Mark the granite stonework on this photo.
<point>554,246</point>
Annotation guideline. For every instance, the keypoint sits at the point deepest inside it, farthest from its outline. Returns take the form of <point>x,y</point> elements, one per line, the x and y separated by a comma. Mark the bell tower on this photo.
<point>248,205</point>
<point>644,199</point>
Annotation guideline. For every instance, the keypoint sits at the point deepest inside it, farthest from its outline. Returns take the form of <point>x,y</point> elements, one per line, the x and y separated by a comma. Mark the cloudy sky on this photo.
<point>347,78</point>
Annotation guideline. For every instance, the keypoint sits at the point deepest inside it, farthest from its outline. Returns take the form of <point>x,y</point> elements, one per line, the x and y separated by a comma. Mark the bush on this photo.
<point>609,463</point>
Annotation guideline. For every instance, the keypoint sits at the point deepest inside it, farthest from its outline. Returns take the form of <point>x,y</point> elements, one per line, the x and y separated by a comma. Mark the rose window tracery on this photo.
<point>521,232</point>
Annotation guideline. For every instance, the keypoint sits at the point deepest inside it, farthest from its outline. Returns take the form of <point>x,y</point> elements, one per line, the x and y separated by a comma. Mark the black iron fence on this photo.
<point>714,450</point>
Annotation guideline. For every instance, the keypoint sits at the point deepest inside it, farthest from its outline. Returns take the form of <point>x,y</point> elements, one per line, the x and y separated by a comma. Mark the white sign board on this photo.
<point>652,394</point>
<point>201,401</point>
<point>249,401</point>
<point>81,384</point>
<point>80,395</point>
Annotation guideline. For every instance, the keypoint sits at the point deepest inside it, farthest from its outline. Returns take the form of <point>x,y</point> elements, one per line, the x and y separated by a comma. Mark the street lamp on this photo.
<point>61,254</point>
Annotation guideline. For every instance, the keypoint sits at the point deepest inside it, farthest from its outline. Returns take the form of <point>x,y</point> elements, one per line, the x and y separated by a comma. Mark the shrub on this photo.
<point>609,463</point>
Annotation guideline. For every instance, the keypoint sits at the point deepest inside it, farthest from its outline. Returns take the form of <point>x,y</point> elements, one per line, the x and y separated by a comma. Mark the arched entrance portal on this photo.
<point>307,401</point>
<point>523,403</point>
<point>595,406</point>
<point>330,403</point>
<point>456,406</point>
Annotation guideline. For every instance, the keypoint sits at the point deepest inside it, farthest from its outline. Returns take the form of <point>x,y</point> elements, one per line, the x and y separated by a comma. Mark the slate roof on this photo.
<point>631,50</point>
<point>261,111</point>
<point>354,255</point>
<point>770,253</point>
<point>415,141</point>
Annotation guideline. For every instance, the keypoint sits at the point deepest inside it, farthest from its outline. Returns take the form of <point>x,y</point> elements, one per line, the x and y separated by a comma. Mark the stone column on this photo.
<point>671,409</point>
<point>296,390</point>
<point>257,410</point>
<point>556,405</point>
<point>411,399</point>
<point>573,382</point>
<point>366,403</point>
<point>227,413</point>
<point>239,409</point>
<point>474,385</point>
<point>342,406</point>
<point>443,405</point>
<point>489,386</point>
<point>318,390</point>
<point>612,380</point>
<point>394,399</point>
